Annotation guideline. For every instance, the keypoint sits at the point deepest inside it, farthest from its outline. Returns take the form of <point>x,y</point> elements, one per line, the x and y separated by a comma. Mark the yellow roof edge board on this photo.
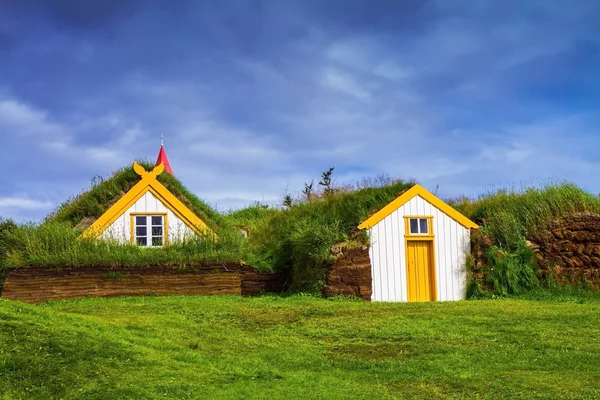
<point>178,208</point>
<point>417,190</point>
<point>147,183</point>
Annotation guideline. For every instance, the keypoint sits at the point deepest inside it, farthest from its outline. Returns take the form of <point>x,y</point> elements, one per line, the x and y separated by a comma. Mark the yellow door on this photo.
<point>420,281</point>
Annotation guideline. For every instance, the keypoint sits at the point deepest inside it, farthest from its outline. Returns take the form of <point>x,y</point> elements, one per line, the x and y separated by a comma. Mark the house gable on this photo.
<point>417,190</point>
<point>148,183</point>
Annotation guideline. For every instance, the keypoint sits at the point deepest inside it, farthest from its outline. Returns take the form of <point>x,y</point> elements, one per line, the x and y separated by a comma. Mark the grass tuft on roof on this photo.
<point>82,210</point>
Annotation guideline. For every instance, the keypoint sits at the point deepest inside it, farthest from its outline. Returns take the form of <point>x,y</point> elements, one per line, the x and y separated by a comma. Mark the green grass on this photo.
<point>507,216</point>
<point>300,237</point>
<point>58,245</point>
<point>103,193</point>
<point>224,347</point>
<point>250,217</point>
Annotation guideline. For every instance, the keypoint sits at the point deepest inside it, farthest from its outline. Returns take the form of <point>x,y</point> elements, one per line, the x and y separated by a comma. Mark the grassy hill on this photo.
<point>224,347</point>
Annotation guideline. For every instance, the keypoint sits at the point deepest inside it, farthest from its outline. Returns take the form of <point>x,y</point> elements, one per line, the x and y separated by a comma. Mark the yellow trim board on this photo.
<point>148,183</point>
<point>417,190</point>
<point>165,225</point>
<point>418,236</point>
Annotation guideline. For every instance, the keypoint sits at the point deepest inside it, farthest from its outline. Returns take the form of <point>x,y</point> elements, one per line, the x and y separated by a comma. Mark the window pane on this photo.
<point>424,225</point>
<point>156,220</point>
<point>414,225</point>
<point>157,241</point>
<point>140,220</point>
<point>141,241</point>
<point>157,231</point>
<point>140,231</point>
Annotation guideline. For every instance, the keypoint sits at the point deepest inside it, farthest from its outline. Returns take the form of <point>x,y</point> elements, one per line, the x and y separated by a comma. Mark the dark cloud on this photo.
<point>73,13</point>
<point>383,16</point>
<point>255,95</point>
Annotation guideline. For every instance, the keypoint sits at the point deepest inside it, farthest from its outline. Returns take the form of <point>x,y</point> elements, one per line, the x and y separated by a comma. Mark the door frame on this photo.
<point>428,237</point>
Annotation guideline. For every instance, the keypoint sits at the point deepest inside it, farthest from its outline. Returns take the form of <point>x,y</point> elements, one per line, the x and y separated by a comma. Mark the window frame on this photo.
<point>149,215</point>
<point>418,236</point>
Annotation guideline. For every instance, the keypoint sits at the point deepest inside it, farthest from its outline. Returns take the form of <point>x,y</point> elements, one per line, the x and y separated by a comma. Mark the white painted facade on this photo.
<point>120,229</point>
<point>388,254</point>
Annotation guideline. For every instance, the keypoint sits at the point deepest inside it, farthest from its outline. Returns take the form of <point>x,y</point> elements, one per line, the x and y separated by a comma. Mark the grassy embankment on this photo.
<point>508,218</point>
<point>299,236</point>
<point>302,347</point>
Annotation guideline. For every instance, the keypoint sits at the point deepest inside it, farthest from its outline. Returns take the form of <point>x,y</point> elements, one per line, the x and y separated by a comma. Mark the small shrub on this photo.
<point>114,276</point>
<point>510,273</point>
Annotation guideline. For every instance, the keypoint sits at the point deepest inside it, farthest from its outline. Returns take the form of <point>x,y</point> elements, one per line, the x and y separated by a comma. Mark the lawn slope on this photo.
<point>299,347</point>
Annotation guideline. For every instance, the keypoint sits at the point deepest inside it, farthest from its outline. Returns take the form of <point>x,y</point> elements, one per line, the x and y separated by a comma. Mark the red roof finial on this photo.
<point>162,157</point>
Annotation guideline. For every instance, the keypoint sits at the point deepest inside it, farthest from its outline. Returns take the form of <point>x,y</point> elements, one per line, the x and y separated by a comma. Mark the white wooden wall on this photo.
<point>120,229</point>
<point>388,255</point>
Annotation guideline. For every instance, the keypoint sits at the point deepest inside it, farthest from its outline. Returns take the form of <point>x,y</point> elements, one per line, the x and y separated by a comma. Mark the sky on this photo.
<point>255,98</point>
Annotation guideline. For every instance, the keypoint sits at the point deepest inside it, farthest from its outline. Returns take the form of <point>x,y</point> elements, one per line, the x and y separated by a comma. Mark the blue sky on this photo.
<point>254,97</point>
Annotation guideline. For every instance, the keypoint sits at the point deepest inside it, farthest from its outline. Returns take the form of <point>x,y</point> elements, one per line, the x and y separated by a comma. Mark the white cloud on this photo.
<point>22,120</point>
<point>345,83</point>
<point>23,203</point>
<point>368,56</point>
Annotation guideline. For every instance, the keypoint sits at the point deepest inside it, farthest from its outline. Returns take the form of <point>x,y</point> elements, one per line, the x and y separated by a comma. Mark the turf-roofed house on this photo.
<point>418,246</point>
<point>148,214</point>
<point>139,232</point>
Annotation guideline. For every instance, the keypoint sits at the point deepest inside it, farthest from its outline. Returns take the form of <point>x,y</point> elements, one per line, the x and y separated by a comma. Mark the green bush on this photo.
<point>510,272</point>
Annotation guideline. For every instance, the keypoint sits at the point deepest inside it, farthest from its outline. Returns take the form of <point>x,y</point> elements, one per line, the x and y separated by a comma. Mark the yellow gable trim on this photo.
<point>149,183</point>
<point>417,190</point>
<point>178,208</point>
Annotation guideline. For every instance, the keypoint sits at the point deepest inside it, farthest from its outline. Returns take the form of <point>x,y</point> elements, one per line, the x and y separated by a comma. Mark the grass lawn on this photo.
<point>300,347</point>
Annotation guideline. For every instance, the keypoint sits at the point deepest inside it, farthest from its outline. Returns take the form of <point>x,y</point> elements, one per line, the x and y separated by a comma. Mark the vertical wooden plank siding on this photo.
<point>388,254</point>
<point>374,256</point>
<point>397,237</point>
<point>121,229</point>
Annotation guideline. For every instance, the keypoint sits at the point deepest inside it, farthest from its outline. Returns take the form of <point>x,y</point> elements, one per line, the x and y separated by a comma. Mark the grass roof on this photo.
<point>300,237</point>
<point>82,210</point>
<point>509,215</point>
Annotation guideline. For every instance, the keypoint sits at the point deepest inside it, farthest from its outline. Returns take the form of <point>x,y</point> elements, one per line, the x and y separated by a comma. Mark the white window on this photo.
<point>149,230</point>
<point>419,226</point>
